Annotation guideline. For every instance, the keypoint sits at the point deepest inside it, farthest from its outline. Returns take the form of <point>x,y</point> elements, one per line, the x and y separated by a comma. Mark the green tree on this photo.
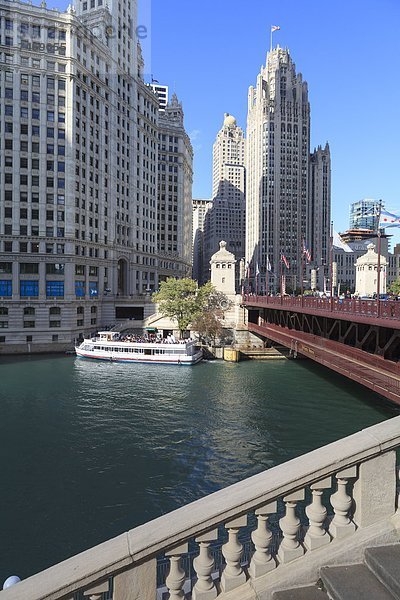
<point>182,299</point>
<point>394,288</point>
<point>209,323</point>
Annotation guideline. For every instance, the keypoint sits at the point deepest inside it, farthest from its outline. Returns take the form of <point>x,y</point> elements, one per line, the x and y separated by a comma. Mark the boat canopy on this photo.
<point>108,336</point>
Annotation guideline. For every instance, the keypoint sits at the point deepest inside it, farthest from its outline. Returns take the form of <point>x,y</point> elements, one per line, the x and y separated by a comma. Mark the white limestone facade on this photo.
<point>278,214</point>
<point>78,174</point>
<point>367,270</point>
<point>175,177</point>
<point>226,217</point>
<point>223,270</point>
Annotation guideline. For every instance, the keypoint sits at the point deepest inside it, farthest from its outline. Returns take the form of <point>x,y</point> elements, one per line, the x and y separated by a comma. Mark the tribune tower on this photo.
<point>278,169</point>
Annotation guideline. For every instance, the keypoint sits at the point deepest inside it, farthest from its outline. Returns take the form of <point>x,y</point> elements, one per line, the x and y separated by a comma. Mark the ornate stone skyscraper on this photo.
<point>277,167</point>
<point>319,210</point>
<point>79,175</point>
<point>225,220</point>
<point>175,174</point>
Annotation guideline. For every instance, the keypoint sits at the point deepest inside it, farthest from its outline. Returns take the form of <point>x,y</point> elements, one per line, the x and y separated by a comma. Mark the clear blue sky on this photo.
<point>348,51</point>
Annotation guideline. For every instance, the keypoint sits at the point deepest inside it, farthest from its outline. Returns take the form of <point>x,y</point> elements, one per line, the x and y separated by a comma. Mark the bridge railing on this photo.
<point>356,476</point>
<point>388,309</point>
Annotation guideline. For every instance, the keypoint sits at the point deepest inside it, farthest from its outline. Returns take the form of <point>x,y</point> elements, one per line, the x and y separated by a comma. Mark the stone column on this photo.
<point>262,561</point>
<point>342,525</point>
<point>233,575</point>
<point>176,576</point>
<point>317,535</point>
<point>290,547</point>
<point>204,565</point>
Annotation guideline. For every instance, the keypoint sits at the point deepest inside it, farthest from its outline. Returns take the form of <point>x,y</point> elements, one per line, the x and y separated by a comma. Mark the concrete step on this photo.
<point>310,592</point>
<point>384,562</point>
<point>352,583</point>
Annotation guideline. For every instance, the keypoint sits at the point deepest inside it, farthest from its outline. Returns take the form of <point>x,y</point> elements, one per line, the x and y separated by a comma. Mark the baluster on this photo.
<point>96,591</point>
<point>233,574</point>
<point>262,561</point>
<point>316,512</point>
<point>204,565</point>
<point>290,548</point>
<point>341,524</point>
<point>176,576</point>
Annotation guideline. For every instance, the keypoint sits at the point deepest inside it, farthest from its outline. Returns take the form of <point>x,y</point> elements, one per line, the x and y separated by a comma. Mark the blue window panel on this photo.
<point>93,289</point>
<point>5,287</point>
<point>29,288</point>
<point>55,289</point>
<point>80,289</point>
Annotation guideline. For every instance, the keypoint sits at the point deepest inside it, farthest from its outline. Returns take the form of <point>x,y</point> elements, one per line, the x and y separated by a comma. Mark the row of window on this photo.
<point>34,180</point>
<point>33,247</point>
<point>35,146</point>
<point>29,339</point>
<point>34,230</point>
<point>35,30</point>
<point>52,323</point>
<point>54,289</point>
<point>33,268</point>
<point>35,79</point>
<point>53,310</point>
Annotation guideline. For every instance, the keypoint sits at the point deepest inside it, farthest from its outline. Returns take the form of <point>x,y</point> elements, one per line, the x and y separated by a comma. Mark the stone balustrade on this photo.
<point>299,513</point>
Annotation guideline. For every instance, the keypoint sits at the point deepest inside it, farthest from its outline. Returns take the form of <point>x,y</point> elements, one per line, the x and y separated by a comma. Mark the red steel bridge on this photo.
<point>359,339</point>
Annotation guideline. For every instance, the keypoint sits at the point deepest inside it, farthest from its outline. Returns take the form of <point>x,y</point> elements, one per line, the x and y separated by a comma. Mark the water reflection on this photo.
<point>90,449</point>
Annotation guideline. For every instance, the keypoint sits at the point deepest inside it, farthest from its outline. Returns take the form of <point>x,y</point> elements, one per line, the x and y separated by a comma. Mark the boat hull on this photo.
<point>160,360</point>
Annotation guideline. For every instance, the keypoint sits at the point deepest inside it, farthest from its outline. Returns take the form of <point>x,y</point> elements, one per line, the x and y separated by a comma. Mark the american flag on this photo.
<point>285,261</point>
<point>306,252</point>
<point>274,28</point>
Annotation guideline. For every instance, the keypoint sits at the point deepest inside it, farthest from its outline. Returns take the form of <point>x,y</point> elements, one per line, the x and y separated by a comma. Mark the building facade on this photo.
<point>364,214</point>
<point>357,247</point>
<point>200,208</point>
<point>319,211</point>
<point>162,93</point>
<point>78,173</point>
<point>175,176</point>
<point>226,217</point>
<point>278,167</point>
<point>368,267</point>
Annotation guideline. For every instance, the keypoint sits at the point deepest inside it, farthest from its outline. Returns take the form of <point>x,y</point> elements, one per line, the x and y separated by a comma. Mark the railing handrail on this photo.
<point>389,309</point>
<point>168,531</point>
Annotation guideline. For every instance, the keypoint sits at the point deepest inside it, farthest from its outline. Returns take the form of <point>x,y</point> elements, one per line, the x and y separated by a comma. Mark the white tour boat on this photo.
<point>110,345</point>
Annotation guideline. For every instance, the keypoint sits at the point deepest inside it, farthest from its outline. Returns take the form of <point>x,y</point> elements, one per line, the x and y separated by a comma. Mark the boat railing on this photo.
<point>303,514</point>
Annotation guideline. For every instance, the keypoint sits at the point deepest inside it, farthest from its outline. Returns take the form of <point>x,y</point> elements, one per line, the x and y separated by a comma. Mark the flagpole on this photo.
<point>270,48</point>
<point>378,279</point>
<point>281,278</point>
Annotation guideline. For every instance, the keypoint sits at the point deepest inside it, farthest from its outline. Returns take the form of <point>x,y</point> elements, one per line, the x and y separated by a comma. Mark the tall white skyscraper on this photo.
<point>278,169</point>
<point>79,157</point>
<point>225,220</point>
<point>175,175</point>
